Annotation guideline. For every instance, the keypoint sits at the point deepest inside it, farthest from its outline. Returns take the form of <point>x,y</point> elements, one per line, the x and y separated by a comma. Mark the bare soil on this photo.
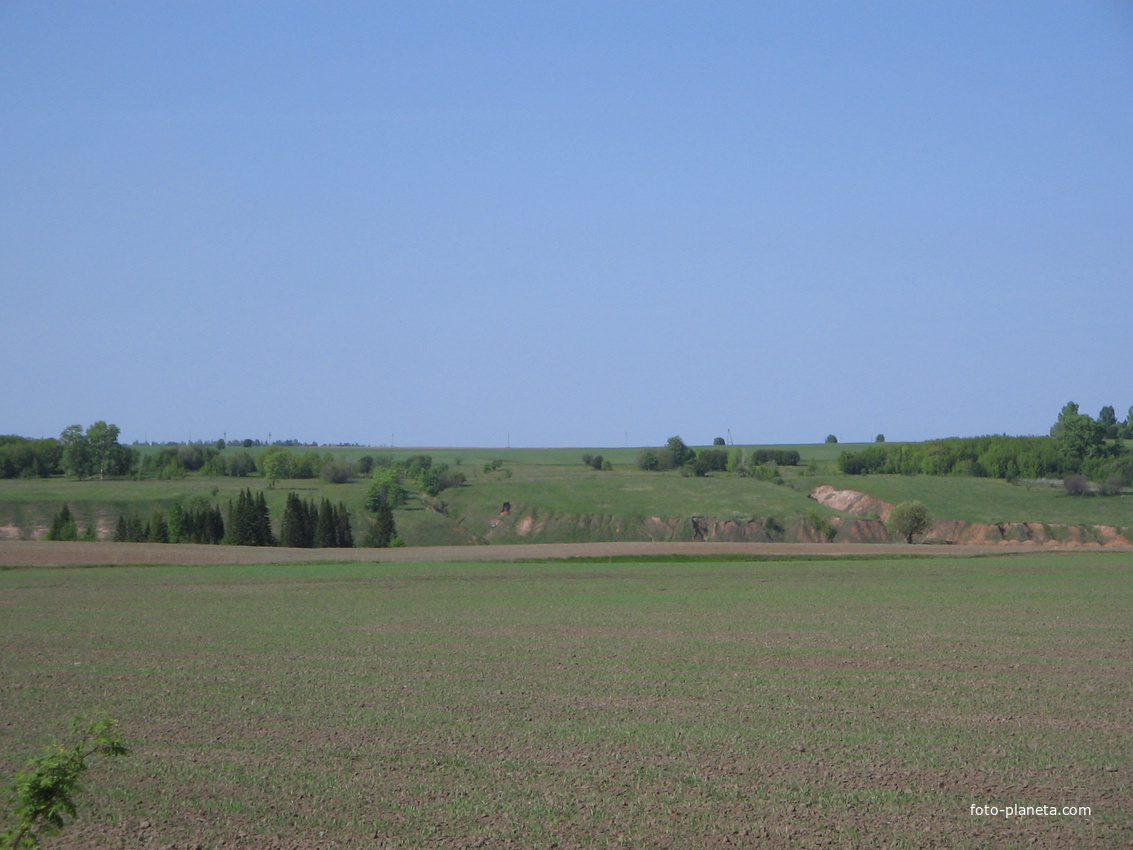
<point>43,553</point>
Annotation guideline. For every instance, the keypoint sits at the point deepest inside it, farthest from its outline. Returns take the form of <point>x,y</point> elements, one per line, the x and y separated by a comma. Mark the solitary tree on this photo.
<point>909,519</point>
<point>382,531</point>
<point>63,526</point>
<point>1107,418</point>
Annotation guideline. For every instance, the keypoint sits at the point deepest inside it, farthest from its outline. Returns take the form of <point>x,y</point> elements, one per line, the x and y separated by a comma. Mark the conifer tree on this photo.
<point>325,536</point>
<point>295,528</point>
<point>381,532</point>
<point>262,522</point>
<point>63,526</point>
<point>343,532</point>
<point>158,529</point>
<point>214,526</point>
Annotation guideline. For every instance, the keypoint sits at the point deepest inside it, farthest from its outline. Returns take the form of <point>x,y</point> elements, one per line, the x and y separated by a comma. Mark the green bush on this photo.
<point>44,792</point>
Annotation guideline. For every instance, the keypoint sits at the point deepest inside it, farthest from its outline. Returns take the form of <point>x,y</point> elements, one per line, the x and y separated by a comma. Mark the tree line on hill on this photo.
<point>1079,446</point>
<point>93,453</point>
<point>675,454</point>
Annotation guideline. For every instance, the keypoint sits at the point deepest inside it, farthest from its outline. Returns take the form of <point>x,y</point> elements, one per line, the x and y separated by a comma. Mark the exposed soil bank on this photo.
<point>952,531</point>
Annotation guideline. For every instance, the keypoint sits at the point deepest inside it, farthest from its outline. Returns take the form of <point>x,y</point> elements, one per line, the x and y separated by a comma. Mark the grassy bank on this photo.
<point>565,500</point>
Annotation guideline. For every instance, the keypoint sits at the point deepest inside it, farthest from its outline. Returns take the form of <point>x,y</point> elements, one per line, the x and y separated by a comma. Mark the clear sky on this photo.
<point>564,223</point>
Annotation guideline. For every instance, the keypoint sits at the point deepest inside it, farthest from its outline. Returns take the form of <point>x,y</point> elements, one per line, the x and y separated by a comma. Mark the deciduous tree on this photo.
<point>909,519</point>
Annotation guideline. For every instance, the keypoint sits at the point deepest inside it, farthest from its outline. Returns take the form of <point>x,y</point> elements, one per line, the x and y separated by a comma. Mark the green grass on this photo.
<point>566,500</point>
<point>774,704</point>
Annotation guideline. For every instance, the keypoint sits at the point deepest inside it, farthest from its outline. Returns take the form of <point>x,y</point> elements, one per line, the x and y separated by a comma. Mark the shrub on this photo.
<point>337,472</point>
<point>240,465</point>
<point>595,461</point>
<point>716,460</point>
<point>648,460</point>
<point>44,792</point>
<point>386,487</point>
<point>1076,485</point>
<point>1113,486</point>
<point>782,457</point>
<point>765,472</point>
<point>822,522</point>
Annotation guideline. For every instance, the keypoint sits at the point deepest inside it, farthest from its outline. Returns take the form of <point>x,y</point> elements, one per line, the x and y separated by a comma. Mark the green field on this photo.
<point>566,500</point>
<point>694,703</point>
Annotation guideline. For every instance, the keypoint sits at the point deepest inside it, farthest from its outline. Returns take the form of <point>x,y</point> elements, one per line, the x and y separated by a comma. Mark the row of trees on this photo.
<point>1078,445</point>
<point>304,524</point>
<point>64,527</point>
<point>308,526</point>
<point>93,453</point>
<point>675,454</point>
<point>197,523</point>
<point>597,462</point>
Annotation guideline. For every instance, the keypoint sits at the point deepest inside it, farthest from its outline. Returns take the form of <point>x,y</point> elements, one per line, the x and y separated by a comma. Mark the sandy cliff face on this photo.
<point>863,521</point>
<point>957,531</point>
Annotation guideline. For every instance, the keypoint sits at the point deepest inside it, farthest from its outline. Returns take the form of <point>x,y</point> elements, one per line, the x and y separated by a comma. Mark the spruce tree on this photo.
<point>158,529</point>
<point>262,522</point>
<point>63,526</point>
<point>325,536</point>
<point>381,532</point>
<point>135,530</point>
<point>242,520</point>
<point>343,532</point>
<point>293,525</point>
<point>215,531</point>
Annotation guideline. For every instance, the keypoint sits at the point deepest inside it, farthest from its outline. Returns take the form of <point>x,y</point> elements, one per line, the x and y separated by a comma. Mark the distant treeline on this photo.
<point>1078,445</point>
<point>1009,458</point>
<point>676,455</point>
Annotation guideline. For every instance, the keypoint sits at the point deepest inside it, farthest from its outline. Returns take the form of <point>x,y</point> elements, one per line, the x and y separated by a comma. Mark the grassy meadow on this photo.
<point>687,703</point>
<point>568,501</point>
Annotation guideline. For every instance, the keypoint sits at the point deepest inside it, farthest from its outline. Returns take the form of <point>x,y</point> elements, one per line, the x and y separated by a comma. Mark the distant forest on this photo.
<point>1078,445</point>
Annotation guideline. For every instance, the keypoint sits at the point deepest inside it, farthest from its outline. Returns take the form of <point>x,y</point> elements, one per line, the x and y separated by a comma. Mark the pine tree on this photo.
<point>262,522</point>
<point>325,536</point>
<point>215,526</point>
<point>242,520</point>
<point>158,529</point>
<point>382,531</point>
<point>294,527</point>
<point>63,526</point>
<point>135,530</point>
<point>343,533</point>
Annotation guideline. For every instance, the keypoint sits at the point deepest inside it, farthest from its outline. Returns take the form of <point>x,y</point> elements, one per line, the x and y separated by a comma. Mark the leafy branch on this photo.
<point>43,793</point>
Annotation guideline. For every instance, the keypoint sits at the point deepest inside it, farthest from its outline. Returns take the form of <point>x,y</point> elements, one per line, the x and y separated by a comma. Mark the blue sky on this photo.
<point>576,224</point>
